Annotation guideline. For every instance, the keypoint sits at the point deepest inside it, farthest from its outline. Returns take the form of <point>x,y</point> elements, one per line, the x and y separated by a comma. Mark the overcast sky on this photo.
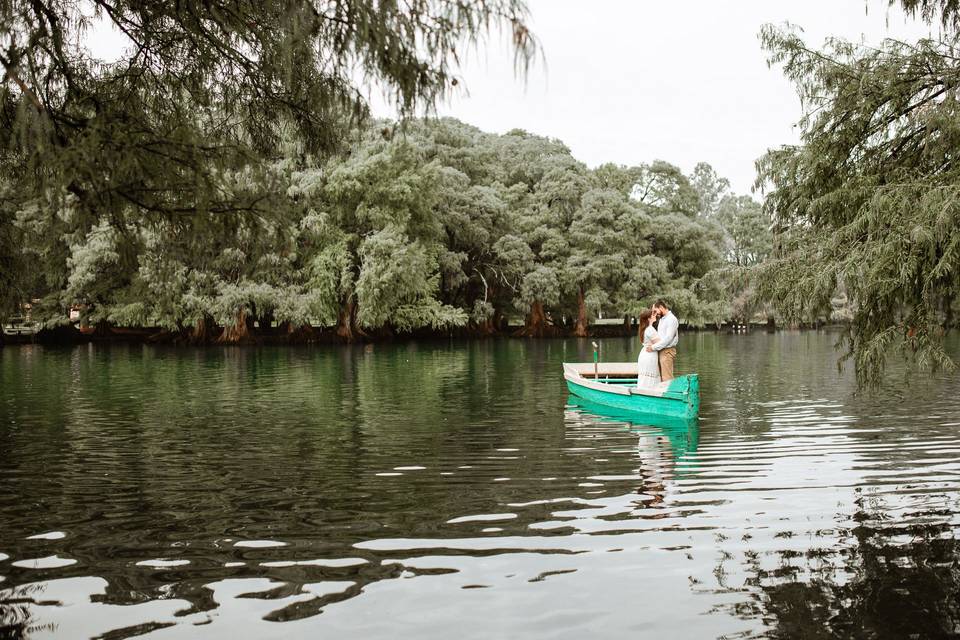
<point>630,81</point>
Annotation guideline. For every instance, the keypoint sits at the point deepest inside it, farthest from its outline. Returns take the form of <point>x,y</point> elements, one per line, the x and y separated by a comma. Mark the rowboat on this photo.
<point>18,326</point>
<point>614,384</point>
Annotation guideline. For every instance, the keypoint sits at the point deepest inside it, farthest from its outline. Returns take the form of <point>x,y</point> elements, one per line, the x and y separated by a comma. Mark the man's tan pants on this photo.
<point>667,358</point>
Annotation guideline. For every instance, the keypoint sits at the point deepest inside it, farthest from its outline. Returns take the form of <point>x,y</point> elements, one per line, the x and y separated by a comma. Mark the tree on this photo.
<point>20,280</point>
<point>749,239</point>
<point>96,271</point>
<point>871,198</point>
<point>946,12</point>
<point>669,242</point>
<point>378,239</point>
<point>688,243</point>
<point>545,185</point>
<point>609,237</point>
<point>661,186</point>
<point>711,188</point>
<point>204,88</point>
<point>480,262</point>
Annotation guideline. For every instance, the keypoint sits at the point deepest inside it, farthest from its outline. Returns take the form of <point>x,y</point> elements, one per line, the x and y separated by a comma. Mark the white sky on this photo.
<point>631,81</point>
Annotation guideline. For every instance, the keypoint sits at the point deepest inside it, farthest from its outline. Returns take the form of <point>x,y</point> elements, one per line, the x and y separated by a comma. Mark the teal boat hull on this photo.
<point>680,399</point>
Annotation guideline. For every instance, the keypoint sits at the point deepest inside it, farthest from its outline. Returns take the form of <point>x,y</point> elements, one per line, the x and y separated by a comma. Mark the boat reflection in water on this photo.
<point>664,443</point>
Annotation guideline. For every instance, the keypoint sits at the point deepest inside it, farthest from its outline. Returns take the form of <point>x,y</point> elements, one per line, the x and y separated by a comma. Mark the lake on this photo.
<point>450,489</point>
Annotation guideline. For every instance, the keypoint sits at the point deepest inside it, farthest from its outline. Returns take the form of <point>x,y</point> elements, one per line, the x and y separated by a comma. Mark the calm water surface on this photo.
<point>438,490</point>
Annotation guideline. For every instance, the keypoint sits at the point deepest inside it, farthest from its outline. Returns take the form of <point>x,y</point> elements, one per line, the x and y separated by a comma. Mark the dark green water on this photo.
<point>438,490</point>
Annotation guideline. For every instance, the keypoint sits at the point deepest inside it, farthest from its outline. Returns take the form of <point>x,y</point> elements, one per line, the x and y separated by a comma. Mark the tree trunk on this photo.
<point>239,331</point>
<point>580,328</point>
<point>485,327</point>
<point>202,331</point>
<point>347,327</point>
<point>535,325</point>
<point>488,326</point>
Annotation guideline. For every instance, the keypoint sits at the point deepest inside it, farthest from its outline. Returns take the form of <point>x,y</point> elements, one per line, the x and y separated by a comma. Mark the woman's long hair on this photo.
<point>643,319</point>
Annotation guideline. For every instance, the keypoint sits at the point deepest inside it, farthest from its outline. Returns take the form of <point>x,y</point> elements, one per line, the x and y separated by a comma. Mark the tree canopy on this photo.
<point>203,91</point>
<point>869,201</point>
<point>435,225</point>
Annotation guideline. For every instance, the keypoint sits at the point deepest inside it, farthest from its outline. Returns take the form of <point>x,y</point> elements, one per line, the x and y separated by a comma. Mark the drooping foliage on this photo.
<point>203,92</point>
<point>869,203</point>
<point>946,13</point>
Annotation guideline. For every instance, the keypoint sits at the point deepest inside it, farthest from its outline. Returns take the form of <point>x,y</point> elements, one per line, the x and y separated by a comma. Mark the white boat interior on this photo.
<point>610,377</point>
<point>604,370</point>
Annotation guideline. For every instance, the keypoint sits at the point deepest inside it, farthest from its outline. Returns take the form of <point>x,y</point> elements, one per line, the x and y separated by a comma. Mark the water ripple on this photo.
<point>429,490</point>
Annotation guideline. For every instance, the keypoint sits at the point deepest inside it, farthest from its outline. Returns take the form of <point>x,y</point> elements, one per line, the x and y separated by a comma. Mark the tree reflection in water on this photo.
<point>897,590</point>
<point>16,619</point>
<point>895,580</point>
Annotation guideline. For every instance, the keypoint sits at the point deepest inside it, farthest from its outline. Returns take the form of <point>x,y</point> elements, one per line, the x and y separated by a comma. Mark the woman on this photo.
<point>648,363</point>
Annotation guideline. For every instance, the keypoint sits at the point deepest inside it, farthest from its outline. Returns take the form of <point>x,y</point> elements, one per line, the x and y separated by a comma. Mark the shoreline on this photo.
<point>69,335</point>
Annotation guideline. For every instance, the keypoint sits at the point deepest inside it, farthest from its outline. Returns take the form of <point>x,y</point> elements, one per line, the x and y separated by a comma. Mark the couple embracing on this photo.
<point>655,363</point>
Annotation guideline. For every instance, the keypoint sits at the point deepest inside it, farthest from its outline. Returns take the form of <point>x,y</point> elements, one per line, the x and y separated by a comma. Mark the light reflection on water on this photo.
<point>435,489</point>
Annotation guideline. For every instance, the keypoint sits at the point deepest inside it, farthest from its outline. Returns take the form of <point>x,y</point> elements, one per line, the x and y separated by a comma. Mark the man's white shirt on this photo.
<point>668,332</point>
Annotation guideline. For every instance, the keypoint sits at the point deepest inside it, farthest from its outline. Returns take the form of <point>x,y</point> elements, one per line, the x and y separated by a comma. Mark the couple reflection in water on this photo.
<point>657,463</point>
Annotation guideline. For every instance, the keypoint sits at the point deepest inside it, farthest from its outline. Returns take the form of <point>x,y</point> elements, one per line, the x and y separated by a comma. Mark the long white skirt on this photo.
<point>648,369</point>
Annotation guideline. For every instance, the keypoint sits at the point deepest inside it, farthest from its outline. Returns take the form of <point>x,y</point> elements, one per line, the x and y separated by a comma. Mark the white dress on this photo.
<point>648,362</point>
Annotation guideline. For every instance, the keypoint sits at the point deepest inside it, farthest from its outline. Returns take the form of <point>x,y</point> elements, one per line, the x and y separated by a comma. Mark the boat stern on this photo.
<point>692,390</point>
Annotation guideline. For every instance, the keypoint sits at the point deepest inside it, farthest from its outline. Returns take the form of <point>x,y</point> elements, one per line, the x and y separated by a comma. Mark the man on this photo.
<point>668,330</point>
